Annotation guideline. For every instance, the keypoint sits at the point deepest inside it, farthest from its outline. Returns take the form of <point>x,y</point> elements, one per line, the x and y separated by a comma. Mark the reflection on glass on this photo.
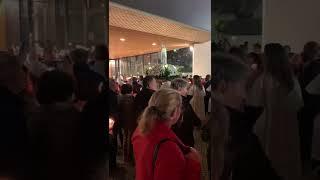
<point>137,65</point>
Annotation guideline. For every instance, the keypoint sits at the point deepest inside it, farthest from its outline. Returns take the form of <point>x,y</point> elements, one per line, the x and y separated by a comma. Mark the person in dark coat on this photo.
<point>54,129</point>
<point>13,121</point>
<point>94,138</point>
<point>127,119</point>
<point>136,87</point>
<point>114,114</point>
<point>188,120</point>
<point>101,55</point>
<point>311,109</point>
<point>88,83</point>
<point>236,152</point>
<point>208,94</point>
<point>143,97</point>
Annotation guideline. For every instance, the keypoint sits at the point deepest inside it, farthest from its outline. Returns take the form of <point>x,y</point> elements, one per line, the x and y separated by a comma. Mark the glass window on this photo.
<point>124,66</point>
<point>112,68</point>
<point>139,66</point>
<point>155,58</point>
<point>132,61</point>
<point>181,58</point>
<point>146,62</point>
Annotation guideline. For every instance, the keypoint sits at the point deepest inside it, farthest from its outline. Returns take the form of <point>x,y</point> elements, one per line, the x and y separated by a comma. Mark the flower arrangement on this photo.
<point>162,71</point>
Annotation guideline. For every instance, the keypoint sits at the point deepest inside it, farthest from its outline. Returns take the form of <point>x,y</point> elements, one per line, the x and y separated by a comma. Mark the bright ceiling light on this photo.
<point>122,39</point>
<point>191,48</point>
<point>154,44</point>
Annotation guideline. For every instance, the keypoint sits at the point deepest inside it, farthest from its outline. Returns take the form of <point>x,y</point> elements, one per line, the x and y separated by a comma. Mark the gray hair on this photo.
<point>228,68</point>
<point>179,83</point>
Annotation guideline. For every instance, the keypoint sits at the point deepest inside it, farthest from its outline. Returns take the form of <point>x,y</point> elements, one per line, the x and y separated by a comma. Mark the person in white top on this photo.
<point>197,101</point>
<point>209,104</point>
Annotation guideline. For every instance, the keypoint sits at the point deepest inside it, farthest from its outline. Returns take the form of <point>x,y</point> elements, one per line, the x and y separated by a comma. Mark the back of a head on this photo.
<point>287,48</point>
<point>238,52</point>
<point>228,68</point>
<point>101,52</point>
<point>208,77</point>
<point>134,79</point>
<point>310,51</point>
<point>257,47</point>
<point>197,81</point>
<point>277,64</point>
<point>147,80</point>
<point>255,57</point>
<point>179,83</point>
<point>54,87</point>
<point>161,107</point>
<point>126,89</point>
<point>79,56</point>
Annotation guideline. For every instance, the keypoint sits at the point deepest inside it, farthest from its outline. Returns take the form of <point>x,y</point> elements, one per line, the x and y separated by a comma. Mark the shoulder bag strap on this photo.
<point>156,151</point>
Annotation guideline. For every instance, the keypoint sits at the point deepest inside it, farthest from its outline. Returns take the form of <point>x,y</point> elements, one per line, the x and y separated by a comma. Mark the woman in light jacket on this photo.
<point>280,94</point>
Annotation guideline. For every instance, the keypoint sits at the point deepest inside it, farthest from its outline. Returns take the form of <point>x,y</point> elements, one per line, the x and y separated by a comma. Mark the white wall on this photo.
<point>202,59</point>
<point>292,22</point>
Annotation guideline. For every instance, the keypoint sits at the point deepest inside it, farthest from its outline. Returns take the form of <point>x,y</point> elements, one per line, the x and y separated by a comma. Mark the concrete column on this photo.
<point>292,22</point>
<point>202,59</point>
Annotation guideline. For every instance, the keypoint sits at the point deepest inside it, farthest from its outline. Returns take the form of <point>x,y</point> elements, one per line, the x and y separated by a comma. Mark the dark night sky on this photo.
<point>196,13</point>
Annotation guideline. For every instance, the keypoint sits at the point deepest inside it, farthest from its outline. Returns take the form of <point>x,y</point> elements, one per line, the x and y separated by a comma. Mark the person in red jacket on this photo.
<point>159,153</point>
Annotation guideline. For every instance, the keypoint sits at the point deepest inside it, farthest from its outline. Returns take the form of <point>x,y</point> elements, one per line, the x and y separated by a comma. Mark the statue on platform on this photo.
<point>163,55</point>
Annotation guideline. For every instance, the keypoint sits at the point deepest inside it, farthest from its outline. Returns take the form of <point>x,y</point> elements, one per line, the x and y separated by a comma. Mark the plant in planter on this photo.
<point>165,72</point>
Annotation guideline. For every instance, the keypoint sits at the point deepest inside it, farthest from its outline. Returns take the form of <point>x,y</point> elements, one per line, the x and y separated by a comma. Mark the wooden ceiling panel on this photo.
<point>127,18</point>
<point>137,43</point>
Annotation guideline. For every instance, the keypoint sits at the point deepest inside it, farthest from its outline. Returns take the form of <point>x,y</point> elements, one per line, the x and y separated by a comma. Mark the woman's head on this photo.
<point>277,64</point>
<point>229,79</point>
<point>197,81</point>
<point>54,87</point>
<point>164,106</point>
<point>180,85</point>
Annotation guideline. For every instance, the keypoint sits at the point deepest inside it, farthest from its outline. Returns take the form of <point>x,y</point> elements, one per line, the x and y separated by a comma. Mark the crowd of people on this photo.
<point>258,116</point>
<point>53,115</point>
<point>131,110</point>
<point>265,115</point>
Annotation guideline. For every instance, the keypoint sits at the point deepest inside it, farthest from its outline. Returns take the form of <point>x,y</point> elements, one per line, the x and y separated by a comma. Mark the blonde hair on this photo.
<point>162,105</point>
